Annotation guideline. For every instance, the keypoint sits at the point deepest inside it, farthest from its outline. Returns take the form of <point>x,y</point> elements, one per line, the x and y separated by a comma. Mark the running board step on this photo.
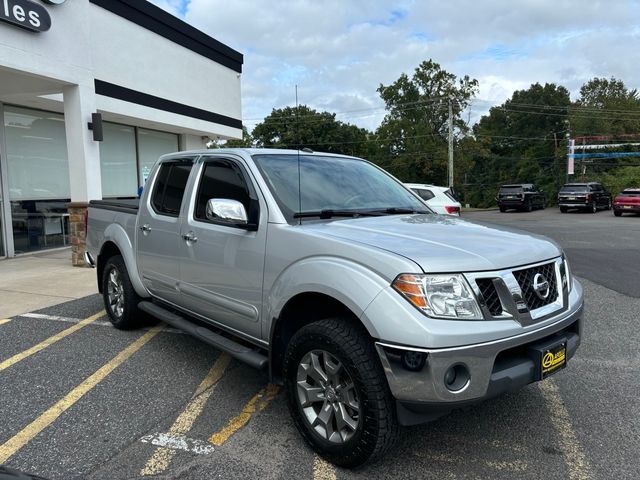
<point>234,349</point>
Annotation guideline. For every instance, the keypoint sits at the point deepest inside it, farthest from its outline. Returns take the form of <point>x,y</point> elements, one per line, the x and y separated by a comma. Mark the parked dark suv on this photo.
<point>522,196</point>
<point>585,196</point>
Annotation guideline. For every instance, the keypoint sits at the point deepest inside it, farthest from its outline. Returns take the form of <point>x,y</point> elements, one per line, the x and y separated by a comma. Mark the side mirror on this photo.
<point>223,210</point>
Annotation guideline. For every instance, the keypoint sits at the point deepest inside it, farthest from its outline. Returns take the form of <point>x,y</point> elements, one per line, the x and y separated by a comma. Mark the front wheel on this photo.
<point>120,299</point>
<point>338,393</point>
<point>594,207</point>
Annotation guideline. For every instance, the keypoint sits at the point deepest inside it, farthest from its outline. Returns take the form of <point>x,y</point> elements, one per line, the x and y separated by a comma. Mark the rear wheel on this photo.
<point>594,207</point>
<point>617,213</point>
<point>503,209</point>
<point>528,207</point>
<point>120,299</point>
<point>563,209</point>
<point>338,393</point>
<point>609,204</point>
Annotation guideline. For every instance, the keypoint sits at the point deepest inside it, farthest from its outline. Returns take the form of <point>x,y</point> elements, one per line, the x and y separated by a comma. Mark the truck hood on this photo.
<point>440,243</point>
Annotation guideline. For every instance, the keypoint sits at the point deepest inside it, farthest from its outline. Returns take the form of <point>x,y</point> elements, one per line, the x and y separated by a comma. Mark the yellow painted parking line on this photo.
<point>575,459</point>
<point>257,403</point>
<point>162,457</point>
<point>6,320</point>
<point>28,433</point>
<point>323,470</point>
<point>49,341</point>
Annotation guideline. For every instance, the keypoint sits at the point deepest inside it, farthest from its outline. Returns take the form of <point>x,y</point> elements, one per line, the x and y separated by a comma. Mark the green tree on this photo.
<point>606,107</point>
<point>412,138</point>
<point>304,127</point>
<point>521,140</point>
<point>245,142</point>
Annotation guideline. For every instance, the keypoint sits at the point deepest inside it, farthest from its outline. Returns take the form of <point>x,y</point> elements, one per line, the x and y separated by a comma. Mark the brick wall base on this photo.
<point>78,232</point>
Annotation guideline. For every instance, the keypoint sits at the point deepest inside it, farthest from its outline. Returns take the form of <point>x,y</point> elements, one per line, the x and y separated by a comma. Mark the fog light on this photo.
<point>413,361</point>
<point>456,378</point>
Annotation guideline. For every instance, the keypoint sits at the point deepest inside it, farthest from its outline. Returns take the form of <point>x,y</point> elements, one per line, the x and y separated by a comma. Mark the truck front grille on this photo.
<point>490,295</point>
<point>525,279</point>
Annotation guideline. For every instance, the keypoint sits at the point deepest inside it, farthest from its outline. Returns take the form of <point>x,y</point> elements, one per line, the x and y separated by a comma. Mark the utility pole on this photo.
<point>450,144</point>
<point>570,151</point>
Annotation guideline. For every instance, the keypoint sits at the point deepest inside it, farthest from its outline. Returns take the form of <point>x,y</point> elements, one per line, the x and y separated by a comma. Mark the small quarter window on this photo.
<point>424,194</point>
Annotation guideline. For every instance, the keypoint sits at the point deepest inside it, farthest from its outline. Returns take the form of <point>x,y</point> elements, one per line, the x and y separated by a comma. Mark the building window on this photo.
<point>38,166</point>
<point>151,146</point>
<point>118,161</point>
<point>38,175</point>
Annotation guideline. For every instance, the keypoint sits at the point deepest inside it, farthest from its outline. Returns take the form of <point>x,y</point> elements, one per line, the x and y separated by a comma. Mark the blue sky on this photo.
<point>339,51</point>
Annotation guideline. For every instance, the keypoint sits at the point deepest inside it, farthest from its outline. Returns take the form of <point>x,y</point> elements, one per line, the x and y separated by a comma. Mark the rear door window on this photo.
<point>510,190</point>
<point>169,187</point>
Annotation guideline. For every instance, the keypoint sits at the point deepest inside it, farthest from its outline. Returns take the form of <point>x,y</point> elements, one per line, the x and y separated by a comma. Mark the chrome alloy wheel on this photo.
<point>115,293</point>
<point>327,396</point>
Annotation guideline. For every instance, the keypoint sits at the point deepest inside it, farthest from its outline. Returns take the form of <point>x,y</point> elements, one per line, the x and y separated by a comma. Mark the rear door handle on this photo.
<point>190,237</point>
<point>145,228</point>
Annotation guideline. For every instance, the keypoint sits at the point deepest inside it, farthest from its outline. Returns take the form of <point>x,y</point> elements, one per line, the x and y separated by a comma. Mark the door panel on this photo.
<point>222,266</point>
<point>158,231</point>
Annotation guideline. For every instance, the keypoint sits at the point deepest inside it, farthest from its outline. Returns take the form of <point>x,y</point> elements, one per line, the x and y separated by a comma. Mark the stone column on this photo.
<point>84,162</point>
<point>78,232</point>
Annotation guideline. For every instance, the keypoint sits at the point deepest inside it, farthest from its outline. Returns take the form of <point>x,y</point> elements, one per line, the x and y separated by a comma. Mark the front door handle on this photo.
<point>145,228</point>
<point>190,237</point>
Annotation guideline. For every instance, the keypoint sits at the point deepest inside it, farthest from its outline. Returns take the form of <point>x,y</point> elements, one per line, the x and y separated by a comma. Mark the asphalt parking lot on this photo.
<point>80,399</point>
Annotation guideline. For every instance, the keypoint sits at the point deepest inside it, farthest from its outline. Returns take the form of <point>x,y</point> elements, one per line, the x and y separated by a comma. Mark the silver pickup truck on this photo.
<point>372,311</point>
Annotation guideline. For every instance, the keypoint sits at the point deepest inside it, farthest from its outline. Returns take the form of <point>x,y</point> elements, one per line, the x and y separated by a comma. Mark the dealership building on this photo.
<point>92,92</point>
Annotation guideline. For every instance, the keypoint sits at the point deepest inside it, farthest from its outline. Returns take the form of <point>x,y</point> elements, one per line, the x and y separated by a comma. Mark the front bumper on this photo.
<point>494,367</point>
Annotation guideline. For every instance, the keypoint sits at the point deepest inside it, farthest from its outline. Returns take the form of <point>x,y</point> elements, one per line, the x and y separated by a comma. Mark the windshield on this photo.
<point>574,189</point>
<point>630,193</point>
<point>333,184</point>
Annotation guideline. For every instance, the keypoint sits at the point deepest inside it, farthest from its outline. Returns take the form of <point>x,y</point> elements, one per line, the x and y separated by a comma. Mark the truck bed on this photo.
<point>129,205</point>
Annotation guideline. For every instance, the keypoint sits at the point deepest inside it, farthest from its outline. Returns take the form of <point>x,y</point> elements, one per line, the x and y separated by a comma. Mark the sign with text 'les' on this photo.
<point>25,14</point>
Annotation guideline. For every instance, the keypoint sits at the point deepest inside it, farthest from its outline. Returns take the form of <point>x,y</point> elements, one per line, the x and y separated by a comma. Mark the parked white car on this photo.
<point>439,199</point>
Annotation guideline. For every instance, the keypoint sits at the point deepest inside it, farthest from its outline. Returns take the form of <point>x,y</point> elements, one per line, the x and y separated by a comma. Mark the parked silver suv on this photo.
<point>371,310</point>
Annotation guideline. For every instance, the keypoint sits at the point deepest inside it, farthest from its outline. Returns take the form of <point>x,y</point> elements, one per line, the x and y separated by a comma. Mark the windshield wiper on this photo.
<point>328,213</point>
<point>398,210</point>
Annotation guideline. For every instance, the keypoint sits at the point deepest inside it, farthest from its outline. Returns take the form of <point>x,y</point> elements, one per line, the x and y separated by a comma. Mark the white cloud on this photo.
<point>338,52</point>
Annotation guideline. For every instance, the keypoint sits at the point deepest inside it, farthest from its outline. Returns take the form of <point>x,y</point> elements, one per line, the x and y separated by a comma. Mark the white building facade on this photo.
<point>158,85</point>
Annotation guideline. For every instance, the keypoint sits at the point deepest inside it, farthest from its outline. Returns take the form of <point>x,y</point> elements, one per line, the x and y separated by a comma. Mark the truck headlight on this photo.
<point>446,296</point>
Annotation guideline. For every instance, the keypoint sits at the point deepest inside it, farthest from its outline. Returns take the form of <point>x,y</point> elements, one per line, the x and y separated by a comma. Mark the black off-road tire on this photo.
<point>528,207</point>
<point>594,207</point>
<point>503,209</point>
<point>377,427</point>
<point>563,209</point>
<point>130,317</point>
<point>617,213</point>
